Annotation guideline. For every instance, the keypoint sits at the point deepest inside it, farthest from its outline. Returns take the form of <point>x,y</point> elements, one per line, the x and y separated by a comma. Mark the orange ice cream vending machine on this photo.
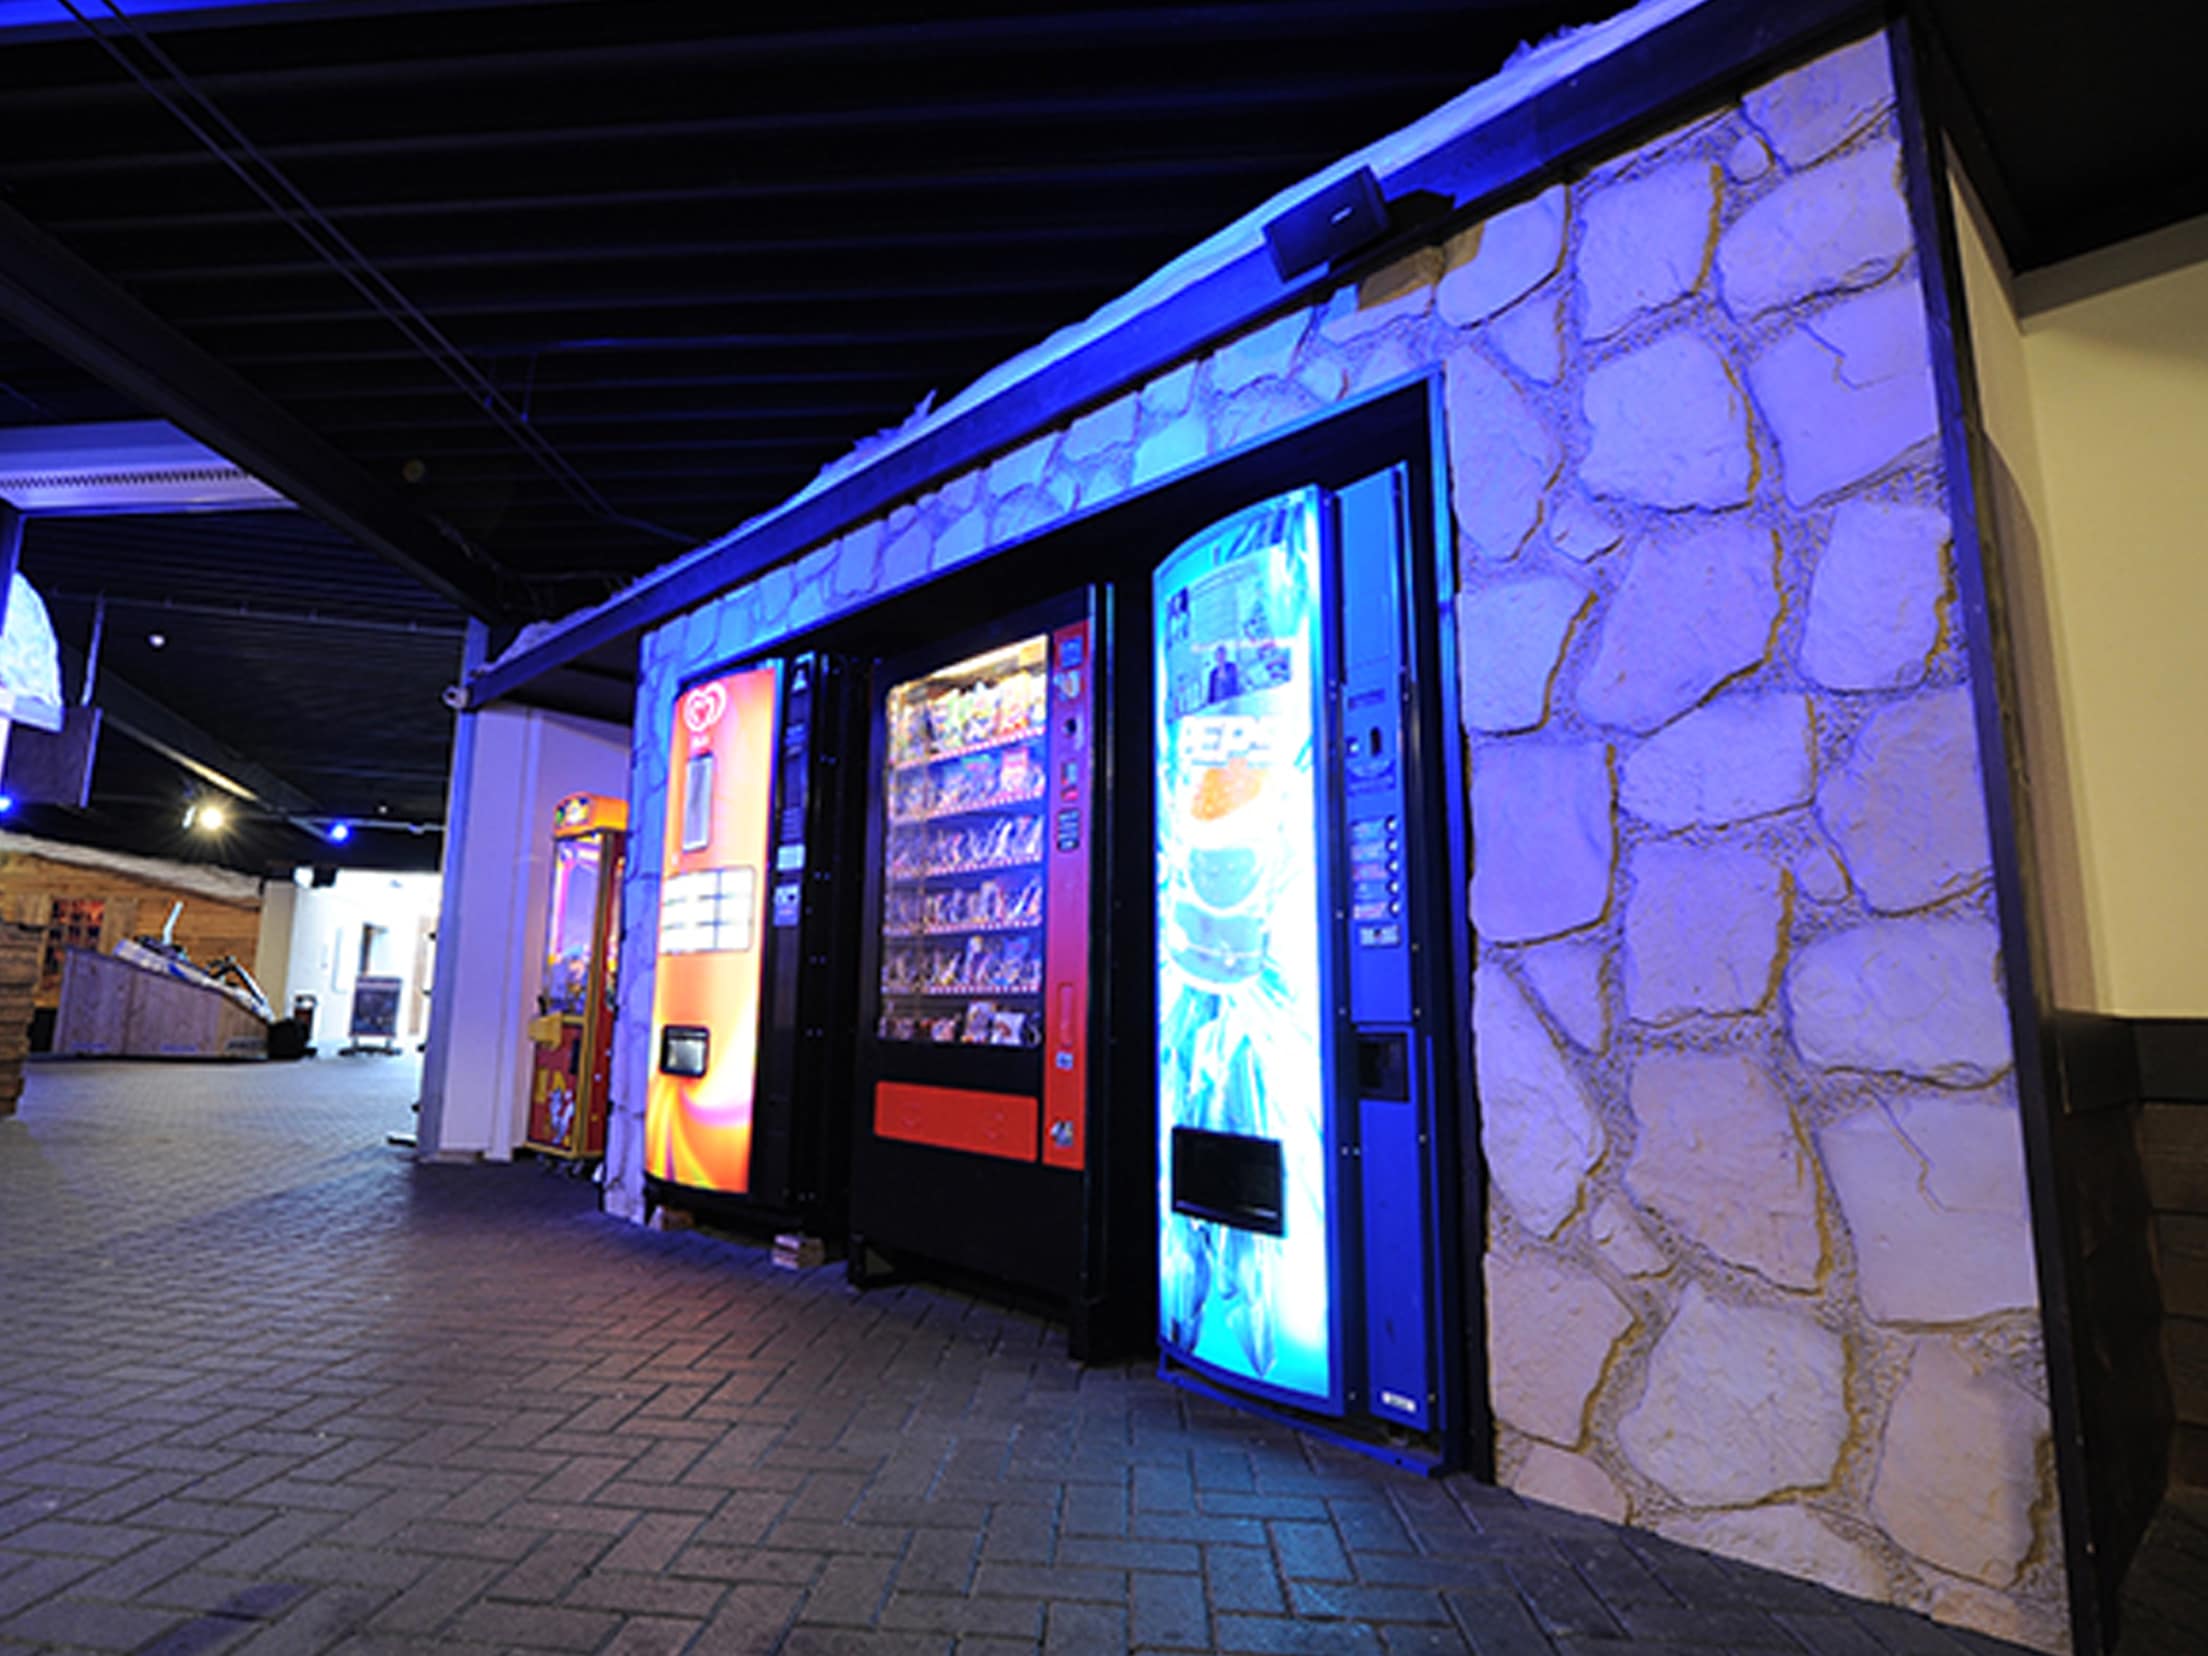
<point>745,1113</point>
<point>573,1029</point>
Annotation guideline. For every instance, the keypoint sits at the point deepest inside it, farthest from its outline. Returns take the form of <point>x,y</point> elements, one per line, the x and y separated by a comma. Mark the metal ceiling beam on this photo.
<point>1279,97</point>
<point>63,303</point>
<point>137,715</point>
<point>1042,176</point>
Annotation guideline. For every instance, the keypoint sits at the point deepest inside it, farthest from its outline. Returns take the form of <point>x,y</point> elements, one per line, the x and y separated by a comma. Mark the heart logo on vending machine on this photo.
<point>703,707</point>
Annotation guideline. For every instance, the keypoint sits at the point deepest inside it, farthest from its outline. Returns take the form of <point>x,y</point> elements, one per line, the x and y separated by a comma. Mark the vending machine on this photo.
<point>1301,1253</point>
<point>979,1142</point>
<point>573,1029</point>
<point>747,1103</point>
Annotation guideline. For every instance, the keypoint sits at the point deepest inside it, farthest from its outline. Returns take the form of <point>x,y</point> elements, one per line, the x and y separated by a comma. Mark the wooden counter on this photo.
<point>112,1009</point>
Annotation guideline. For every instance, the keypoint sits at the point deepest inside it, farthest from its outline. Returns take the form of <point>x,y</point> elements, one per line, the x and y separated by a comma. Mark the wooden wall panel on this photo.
<point>208,928</point>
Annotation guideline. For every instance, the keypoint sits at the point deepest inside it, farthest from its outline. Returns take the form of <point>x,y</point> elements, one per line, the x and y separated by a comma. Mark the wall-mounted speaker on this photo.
<point>1325,228</point>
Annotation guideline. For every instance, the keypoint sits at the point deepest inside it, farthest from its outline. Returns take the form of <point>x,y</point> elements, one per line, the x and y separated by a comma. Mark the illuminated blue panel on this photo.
<point>1247,1280</point>
<point>51,15</point>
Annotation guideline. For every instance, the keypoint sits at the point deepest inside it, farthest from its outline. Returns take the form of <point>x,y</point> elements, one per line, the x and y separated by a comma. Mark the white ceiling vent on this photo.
<point>122,466</point>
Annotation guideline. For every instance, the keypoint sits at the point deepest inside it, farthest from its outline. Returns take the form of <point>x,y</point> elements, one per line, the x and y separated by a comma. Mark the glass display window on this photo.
<point>964,786</point>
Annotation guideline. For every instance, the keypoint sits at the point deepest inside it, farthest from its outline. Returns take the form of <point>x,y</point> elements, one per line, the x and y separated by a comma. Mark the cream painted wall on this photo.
<point>2094,381</point>
<point>519,763</point>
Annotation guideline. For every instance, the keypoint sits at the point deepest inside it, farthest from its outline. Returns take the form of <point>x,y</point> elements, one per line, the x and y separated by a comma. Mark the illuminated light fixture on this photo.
<point>121,466</point>
<point>339,833</point>
<point>7,803</point>
<point>209,817</point>
<point>157,640</point>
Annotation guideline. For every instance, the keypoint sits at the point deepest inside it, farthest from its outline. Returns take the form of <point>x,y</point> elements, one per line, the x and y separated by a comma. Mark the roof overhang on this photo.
<point>1561,101</point>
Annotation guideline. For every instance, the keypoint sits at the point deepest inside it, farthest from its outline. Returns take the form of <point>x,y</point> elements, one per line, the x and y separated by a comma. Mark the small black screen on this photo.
<point>682,1049</point>
<point>1228,1177</point>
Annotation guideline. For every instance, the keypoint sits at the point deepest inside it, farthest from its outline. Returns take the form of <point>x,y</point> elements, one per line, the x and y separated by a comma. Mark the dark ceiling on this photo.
<point>547,292</point>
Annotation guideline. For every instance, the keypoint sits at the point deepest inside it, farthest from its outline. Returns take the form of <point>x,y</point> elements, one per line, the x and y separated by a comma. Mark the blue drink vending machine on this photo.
<point>1301,1259</point>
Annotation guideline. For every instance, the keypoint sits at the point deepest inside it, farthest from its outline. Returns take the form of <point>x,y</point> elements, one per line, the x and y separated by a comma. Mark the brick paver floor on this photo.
<point>267,1386</point>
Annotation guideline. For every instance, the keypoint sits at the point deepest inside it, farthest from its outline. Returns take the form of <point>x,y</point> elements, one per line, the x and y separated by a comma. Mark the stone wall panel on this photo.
<point>1740,1403</point>
<point>1908,810</point>
<point>1549,1340</point>
<point>1667,426</point>
<point>1878,600</point>
<point>1935,1177</point>
<point>1688,617</point>
<point>1510,641</point>
<point>1703,931</point>
<point>1538,1127</point>
<point>1502,456</point>
<point>1502,259</point>
<point>1542,817</point>
<point>1837,227</point>
<point>1719,1156</point>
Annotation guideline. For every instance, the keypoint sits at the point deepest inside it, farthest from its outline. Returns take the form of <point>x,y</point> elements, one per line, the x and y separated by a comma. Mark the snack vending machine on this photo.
<point>976,1140</point>
<point>573,1029</point>
<point>746,1107</point>
<point>1301,1257</point>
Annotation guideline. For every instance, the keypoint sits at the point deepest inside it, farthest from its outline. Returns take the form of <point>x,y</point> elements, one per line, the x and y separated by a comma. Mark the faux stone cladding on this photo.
<point>1759,1262</point>
<point>1759,1266</point>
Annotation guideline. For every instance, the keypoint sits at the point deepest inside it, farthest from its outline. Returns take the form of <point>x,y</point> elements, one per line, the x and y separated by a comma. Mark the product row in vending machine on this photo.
<point>1097,966</point>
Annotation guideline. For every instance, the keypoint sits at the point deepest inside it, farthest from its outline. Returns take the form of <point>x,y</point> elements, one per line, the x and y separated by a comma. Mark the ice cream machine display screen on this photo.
<point>1246,1263</point>
<point>706,991</point>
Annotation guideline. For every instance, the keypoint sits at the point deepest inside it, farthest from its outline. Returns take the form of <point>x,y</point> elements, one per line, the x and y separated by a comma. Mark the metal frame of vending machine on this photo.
<point>1303,1043</point>
<point>746,1109</point>
<point>571,1066</point>
<point>979,1139</point>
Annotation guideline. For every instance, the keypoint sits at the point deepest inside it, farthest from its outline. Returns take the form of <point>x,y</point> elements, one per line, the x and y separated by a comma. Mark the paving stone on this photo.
<point>950,1437</point>
<point>1168,1610</point>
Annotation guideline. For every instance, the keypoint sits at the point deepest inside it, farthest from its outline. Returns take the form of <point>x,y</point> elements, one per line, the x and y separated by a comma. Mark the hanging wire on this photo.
<point>244,159</point>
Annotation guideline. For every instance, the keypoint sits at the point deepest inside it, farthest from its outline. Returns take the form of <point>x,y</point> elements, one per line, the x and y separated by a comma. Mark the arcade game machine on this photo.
<point>746,1110</point>
<point>1302,1249</point>
<point>573,1029</point>
<point>978,1140</point>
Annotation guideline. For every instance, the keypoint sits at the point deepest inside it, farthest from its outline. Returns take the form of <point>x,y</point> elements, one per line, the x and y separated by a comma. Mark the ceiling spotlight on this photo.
<point>339,833</point>
<point>157,640</point>
<point>208,818</point>
<point>7,803</point>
